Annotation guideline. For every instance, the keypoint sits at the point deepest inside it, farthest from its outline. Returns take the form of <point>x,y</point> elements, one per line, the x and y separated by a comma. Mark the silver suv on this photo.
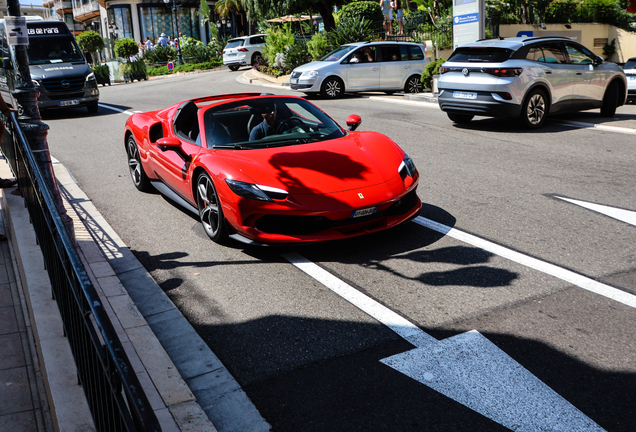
<point>630,71</point>
<point>243,51</point>
<point>363,66</point>
<point>528,78</point>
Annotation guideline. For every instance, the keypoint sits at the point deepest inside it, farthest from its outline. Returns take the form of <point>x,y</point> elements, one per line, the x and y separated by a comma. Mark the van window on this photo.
<point>391,53</point>
<point>49,50</point>
<point>415,53</point>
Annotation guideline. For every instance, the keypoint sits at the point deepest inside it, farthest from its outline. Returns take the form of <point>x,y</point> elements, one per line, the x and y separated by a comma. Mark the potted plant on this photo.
<point>102,74</point>
<point>90,42</point>
<point>133,69</point>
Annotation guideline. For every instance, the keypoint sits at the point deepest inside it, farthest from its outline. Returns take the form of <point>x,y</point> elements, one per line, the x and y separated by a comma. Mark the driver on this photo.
<point>268,126</point>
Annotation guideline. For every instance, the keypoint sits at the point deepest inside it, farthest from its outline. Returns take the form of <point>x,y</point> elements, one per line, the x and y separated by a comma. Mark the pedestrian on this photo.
<point>172,42</point>
<point>148,43</point>
<point>5,183</point>
<point>399,15</point>
<point>142,48</point>
<point>163,40</point>
<point>388,16</point>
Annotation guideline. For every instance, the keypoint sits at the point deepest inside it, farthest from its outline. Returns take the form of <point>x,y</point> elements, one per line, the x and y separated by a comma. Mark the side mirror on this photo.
<point>6,63</point>
<point>353,121</point>
<point>173,144</point>
<point>598,60</point>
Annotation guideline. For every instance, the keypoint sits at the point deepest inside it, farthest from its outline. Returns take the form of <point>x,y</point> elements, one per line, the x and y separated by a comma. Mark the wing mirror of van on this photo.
<point>6,63</point>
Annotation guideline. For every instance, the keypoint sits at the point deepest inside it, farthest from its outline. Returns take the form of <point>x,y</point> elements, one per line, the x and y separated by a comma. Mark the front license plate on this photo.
<point>294,80</point>
<point>632,77</point>
<point>364,212</point>
<point>464,95</point>
<point>69,103</point>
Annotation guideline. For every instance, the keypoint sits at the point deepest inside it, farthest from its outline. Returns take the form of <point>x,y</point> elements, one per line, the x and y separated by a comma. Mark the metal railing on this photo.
<point>114,394</point>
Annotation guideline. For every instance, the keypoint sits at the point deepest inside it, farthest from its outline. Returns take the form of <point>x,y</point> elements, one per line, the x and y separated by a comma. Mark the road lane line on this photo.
<point>381,313</point>
<point>582,125</point>
<point>119,110</point>
<point>622,215</point>
<point>534,263</point>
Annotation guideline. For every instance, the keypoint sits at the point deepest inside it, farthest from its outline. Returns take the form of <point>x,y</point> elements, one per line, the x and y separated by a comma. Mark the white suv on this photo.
<point>630,71</point>
<point>243,51</point>
<point>528,78</point>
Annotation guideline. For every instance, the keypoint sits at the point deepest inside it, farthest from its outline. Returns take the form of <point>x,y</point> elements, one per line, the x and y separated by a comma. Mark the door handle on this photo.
<point>375,69</point>
<point>548,72</point>
<point>579,73</point>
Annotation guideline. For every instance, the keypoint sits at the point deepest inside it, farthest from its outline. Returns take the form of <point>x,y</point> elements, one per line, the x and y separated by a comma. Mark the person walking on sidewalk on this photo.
<point>5,183</point>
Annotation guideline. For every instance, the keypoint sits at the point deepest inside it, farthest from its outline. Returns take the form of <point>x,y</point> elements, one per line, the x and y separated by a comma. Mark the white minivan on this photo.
<point>363,66</point>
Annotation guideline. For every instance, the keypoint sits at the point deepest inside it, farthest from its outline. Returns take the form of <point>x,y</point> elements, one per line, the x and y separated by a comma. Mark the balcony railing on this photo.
<point>86,12</point>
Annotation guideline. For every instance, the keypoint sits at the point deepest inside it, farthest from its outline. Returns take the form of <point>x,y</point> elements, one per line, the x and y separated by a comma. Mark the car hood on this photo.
<point>59,70</point>
<point>315,65</point>
<point>358,160</point>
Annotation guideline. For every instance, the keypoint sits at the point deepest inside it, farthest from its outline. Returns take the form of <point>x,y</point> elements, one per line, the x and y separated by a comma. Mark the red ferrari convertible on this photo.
<point>271,169</point>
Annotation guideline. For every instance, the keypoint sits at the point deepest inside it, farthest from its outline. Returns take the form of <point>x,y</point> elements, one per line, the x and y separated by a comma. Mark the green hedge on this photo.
<point>163,70</point>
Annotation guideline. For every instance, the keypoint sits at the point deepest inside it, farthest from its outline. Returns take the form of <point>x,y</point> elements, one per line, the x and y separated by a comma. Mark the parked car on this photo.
<point>528,78</point>
<point>363,66</point>
<point>630,72</point>
<point>243,51</point>
<point>271,169</point>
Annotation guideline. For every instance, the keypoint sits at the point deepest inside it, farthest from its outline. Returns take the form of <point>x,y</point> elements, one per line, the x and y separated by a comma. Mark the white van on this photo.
<point>58,68</point>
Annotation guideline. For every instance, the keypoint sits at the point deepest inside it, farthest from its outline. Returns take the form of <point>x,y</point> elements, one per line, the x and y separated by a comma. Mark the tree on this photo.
<point>263,9</point>
<point>231,8</point>
<point>90,42</point>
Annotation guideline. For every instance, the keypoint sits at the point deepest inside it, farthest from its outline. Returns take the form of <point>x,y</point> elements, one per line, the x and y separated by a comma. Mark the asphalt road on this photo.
<point>311,360</point>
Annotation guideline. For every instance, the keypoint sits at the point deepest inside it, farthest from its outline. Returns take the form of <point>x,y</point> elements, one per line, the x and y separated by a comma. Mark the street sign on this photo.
<point>468,21</point>
<point>170,66</point>
<point>16,30</point>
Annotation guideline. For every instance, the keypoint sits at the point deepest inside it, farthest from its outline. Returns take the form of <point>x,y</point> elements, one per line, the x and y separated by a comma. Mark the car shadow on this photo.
<point>66,113</point>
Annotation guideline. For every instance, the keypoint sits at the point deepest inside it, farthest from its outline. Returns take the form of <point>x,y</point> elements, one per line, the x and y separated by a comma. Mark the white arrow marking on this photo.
<point>471,370</point>
<point>626,216</point>
<point>467,368</point>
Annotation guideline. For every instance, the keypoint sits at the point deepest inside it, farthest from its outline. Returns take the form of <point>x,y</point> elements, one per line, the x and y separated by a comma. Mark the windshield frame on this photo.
<point>229,125</point>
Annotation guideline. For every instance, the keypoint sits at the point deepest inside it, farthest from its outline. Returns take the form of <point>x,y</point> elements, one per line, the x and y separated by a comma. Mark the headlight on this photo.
<point>310,74</point>
<point>257,192</point>
<point>90,76</point>
<point>36,83</point>
<point>407,167</point>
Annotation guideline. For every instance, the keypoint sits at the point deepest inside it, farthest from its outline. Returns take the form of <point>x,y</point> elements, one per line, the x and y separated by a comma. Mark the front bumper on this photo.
<point>484,105</point>
<point>53,100</point>
<point>304,85</point>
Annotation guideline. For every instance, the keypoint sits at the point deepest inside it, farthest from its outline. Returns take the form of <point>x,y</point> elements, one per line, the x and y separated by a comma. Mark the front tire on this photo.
<point>332,88</point>
<point>460,118</point>
<point>137,173</point>
<point>413,85</point>
<point>233,68</point>
<point>534,110</point>
<point>210,210</point>
<point>610,101</point>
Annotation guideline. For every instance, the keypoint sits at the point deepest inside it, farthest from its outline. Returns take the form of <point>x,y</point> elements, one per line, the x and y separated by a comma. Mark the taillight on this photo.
<point>504,73</point>
<point>223,52</point>
<point>242,49</point>
<point>443,70</point>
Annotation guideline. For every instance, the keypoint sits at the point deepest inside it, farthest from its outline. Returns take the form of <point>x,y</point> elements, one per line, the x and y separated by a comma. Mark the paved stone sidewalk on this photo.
<point>23,406</point>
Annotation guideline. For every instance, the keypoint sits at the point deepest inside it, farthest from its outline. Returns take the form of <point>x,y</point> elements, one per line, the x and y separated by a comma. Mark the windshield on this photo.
<point>338,53</point>
<point>267,122</point>
<point>47,50</point>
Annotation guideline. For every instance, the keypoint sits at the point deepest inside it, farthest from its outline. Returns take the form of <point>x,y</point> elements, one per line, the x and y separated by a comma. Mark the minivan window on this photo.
<point>480,55</point>
<point>42,50</point>
<point>391,53</point>
<point>415,53</point>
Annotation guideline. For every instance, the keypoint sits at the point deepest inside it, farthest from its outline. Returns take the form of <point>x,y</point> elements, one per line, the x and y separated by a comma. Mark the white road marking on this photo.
<point>467,368</point>
<point>119,110</point>
<point>534,263</point>
<point>626,216</point>
<point>386,316</point>
<point>600,127</point>
<point>473,371</point>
